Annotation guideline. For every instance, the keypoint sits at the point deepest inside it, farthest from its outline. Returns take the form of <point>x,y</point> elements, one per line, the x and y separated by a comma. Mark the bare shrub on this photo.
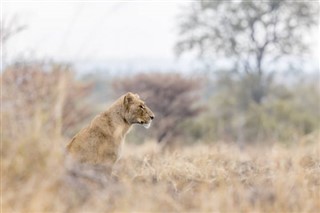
<point>39,97</point>
<point>172,97</point>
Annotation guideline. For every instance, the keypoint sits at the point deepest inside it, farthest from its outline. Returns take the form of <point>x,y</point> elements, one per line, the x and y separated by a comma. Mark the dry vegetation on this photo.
<point>201,178</point>
<point>198,178</point>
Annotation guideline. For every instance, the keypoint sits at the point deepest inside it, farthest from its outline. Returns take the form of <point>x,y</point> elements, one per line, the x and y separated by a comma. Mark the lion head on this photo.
<point>136,111</point>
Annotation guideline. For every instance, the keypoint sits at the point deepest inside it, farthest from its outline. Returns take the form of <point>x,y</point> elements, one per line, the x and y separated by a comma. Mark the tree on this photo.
<point>171,97</point>
<point>9,28</point>
<point>251,34</point>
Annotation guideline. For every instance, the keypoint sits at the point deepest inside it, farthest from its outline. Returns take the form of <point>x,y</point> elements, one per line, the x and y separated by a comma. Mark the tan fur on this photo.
<point>101,141</point>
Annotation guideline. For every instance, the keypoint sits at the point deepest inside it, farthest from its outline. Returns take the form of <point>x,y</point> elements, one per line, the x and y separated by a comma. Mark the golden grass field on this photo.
<point>198,178</point>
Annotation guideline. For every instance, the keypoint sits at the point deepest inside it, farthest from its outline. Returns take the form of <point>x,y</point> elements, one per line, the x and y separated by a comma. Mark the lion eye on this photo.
<point>142,107</point>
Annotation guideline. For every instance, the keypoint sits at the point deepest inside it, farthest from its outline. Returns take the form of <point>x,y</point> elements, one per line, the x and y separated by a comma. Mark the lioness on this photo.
<point>101,141</point>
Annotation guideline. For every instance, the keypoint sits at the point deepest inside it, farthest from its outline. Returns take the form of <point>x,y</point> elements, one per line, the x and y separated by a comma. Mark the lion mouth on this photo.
<point>147,125</point>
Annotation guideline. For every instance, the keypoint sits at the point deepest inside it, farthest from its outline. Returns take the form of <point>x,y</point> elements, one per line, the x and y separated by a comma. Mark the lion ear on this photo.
<point>128,98</point>
<point>137,95</point>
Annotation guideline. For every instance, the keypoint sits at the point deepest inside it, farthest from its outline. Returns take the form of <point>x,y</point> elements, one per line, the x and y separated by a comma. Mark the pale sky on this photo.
<point>82,30</point>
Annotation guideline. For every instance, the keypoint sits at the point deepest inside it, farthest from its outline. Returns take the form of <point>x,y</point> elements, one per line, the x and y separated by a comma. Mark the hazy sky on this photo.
<point>81,30</point>
<point>136,33</point>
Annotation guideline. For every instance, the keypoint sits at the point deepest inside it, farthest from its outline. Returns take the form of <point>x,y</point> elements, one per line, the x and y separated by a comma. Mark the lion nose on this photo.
<point>152,117</point>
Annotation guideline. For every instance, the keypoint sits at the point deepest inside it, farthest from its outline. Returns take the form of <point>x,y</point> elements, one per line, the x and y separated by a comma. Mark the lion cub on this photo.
<point>101,141</point>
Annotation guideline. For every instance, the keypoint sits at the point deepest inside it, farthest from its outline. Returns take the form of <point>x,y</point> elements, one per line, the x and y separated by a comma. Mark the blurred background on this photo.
<point>242,72</point>
<point>234,86</point>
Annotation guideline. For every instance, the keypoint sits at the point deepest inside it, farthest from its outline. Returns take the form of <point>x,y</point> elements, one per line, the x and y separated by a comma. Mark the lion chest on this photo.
<point>110,148</point>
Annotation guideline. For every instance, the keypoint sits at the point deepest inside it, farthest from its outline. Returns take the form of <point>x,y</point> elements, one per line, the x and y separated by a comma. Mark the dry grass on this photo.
<point>201,178</point>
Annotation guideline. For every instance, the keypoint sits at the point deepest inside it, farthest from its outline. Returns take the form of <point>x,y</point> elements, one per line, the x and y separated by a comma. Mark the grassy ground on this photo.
<point>201,178</point>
